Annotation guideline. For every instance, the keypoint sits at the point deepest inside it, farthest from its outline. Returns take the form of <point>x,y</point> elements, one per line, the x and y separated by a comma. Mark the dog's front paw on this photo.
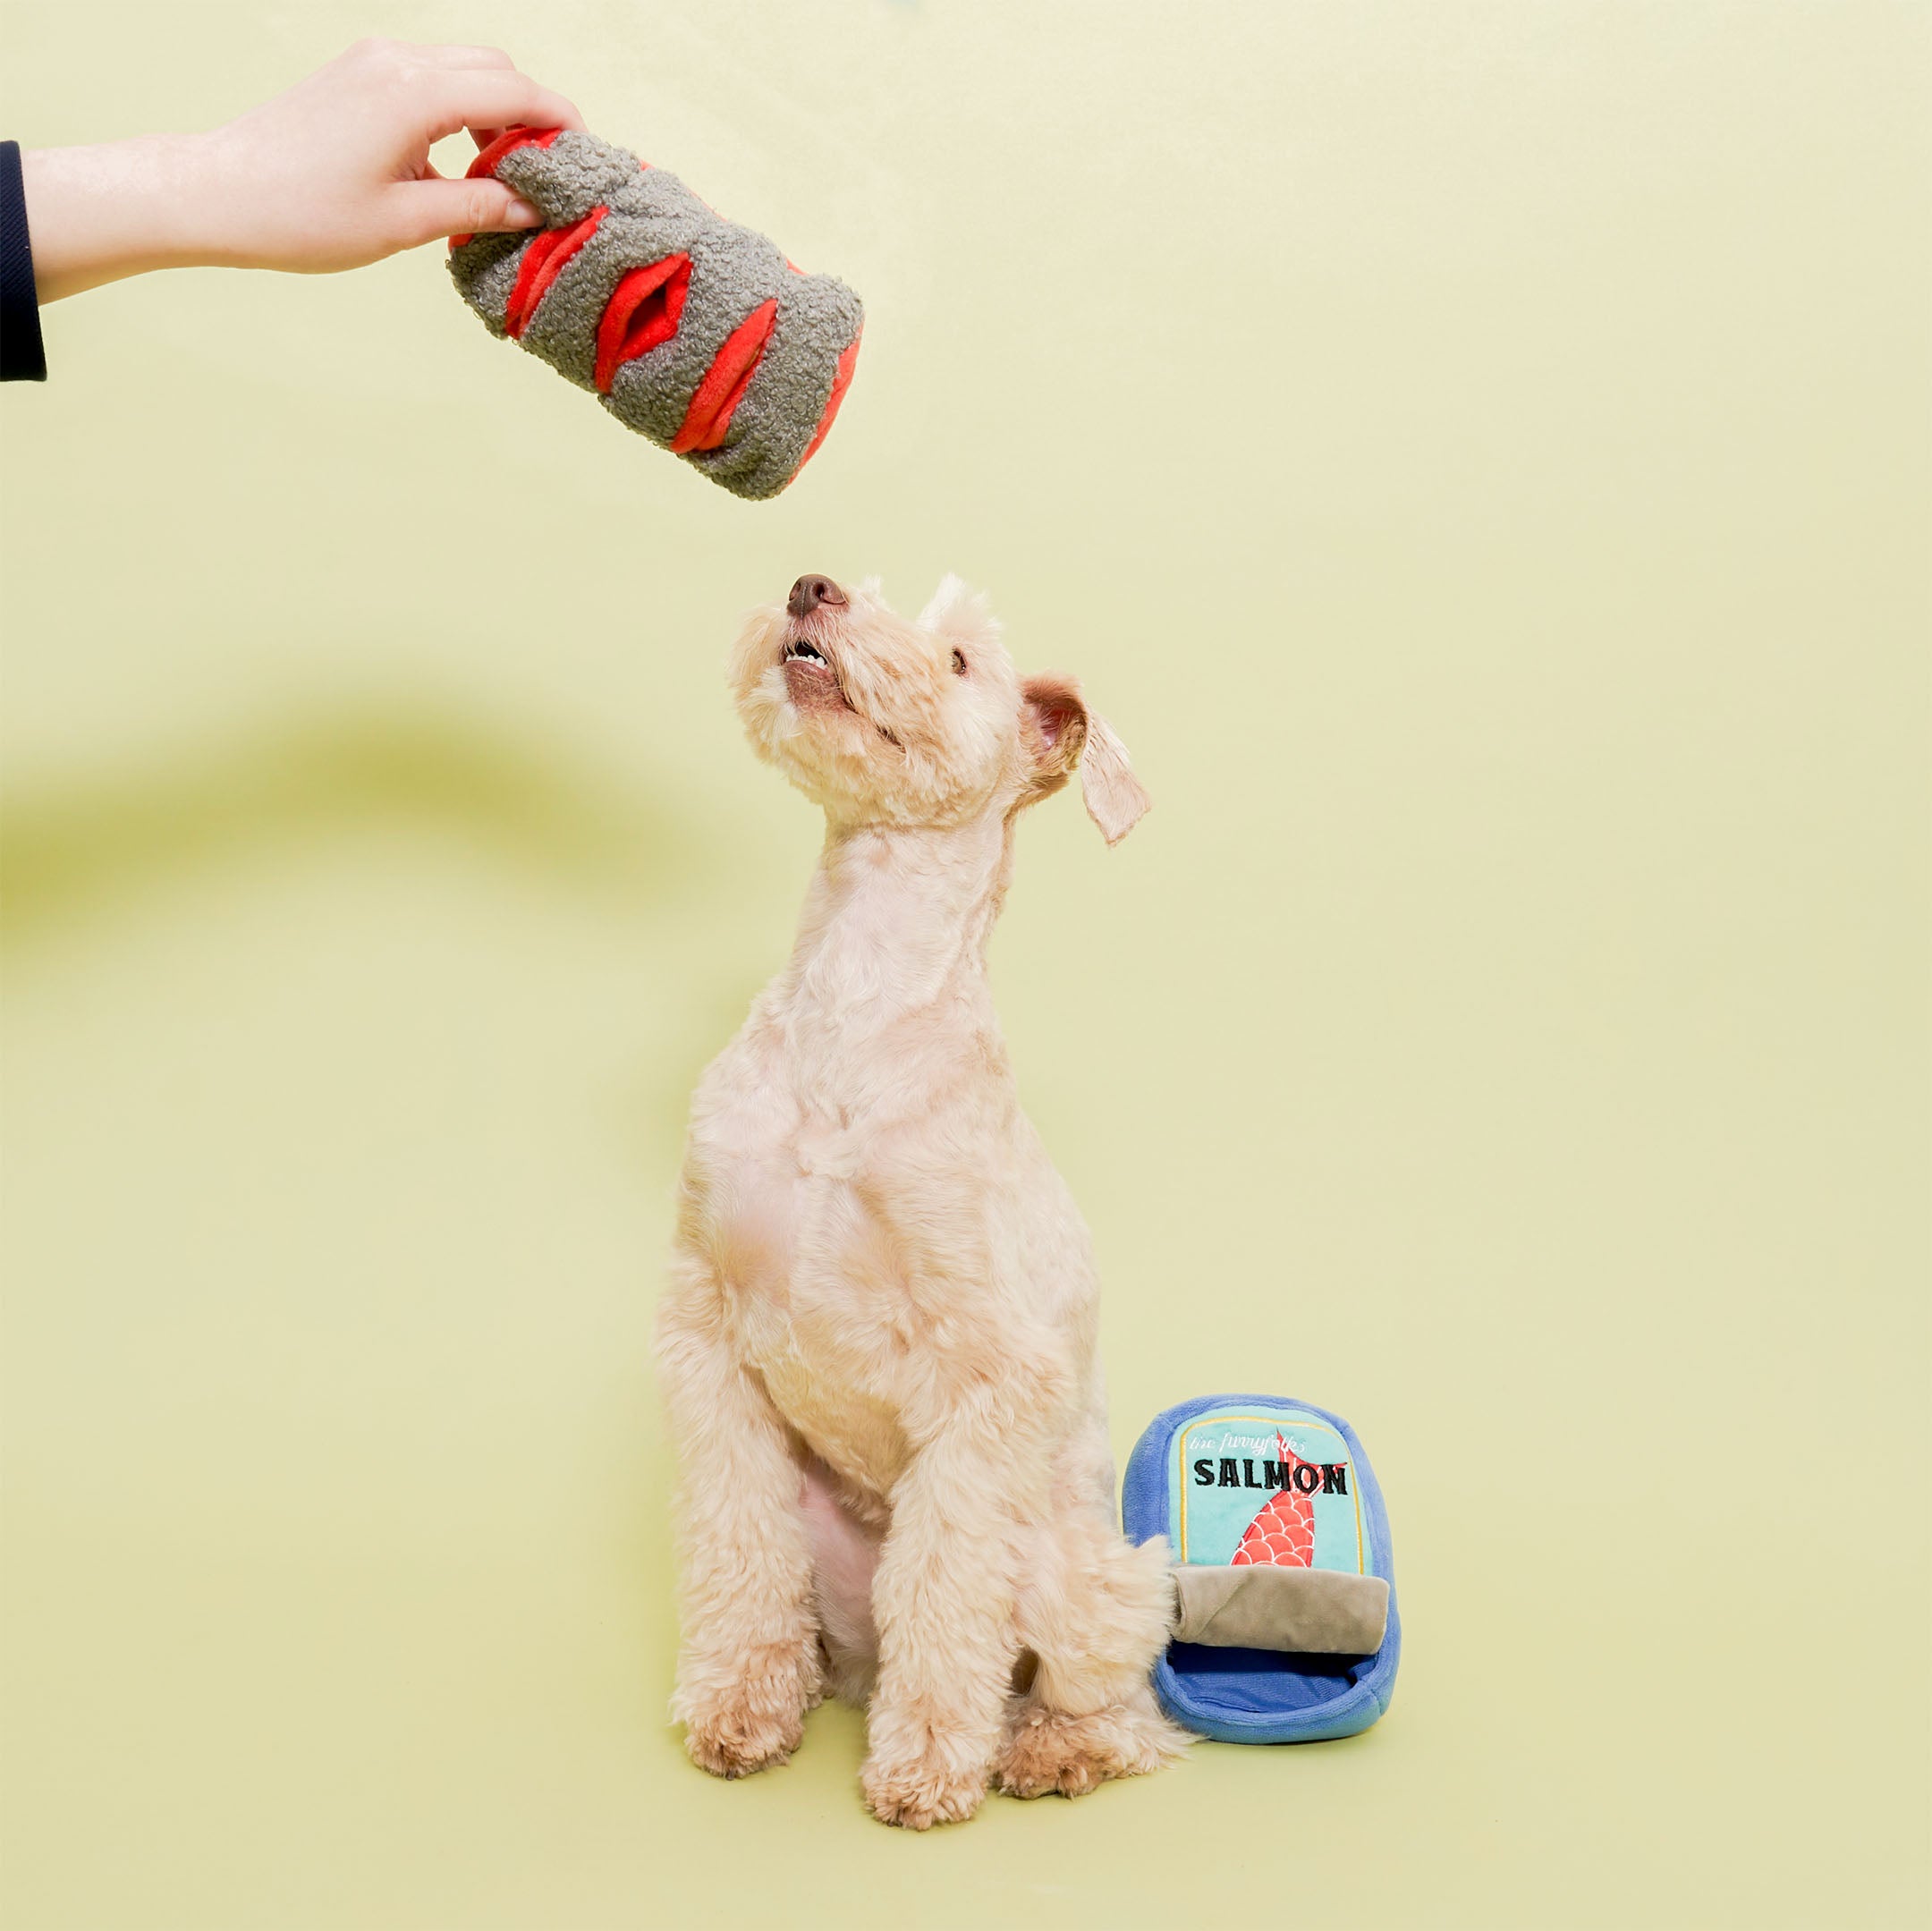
<point>921,1772</point>
<point>747,1716</point>
<point>921,1791</point>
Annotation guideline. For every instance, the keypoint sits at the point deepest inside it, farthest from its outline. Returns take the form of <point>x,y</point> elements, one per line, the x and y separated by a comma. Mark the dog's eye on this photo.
<point>959,665</point>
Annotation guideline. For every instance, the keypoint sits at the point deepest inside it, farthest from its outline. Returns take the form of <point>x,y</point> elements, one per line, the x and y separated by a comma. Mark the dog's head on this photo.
<point>880,720</point>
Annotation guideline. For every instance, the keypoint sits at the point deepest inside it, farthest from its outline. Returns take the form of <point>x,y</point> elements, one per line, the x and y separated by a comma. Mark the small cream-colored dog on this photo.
<point>878,1346</point>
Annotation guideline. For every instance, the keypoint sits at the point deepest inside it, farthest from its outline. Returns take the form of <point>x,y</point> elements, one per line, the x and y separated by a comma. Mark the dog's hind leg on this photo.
<point>749,1662</point>
<point>1096,1612</point>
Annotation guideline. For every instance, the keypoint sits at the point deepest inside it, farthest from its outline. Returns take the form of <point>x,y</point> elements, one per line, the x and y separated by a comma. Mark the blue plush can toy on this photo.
<point>1238,1481</point>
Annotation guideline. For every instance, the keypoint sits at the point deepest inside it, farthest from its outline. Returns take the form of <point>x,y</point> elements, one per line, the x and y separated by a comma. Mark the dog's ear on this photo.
<point>959,616</point>
<point>1060,735</point>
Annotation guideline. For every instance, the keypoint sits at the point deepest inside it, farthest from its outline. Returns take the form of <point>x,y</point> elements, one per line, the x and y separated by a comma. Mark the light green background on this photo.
<point>1478,456</point>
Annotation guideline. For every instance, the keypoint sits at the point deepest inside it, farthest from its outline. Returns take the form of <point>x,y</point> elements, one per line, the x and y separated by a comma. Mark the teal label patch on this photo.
<point>1266,1484</point>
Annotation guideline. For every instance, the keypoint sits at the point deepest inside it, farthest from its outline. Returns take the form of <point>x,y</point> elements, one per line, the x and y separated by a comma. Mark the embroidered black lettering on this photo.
<point>1248,1471</point>
<point>1204,1473</point>
<point>1335,1478</point>
<point>1307,1477</point>
<point>1275,1474</point>
<point>1229,1478</point>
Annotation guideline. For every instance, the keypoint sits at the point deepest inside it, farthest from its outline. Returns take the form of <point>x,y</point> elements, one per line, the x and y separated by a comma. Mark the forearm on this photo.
<point>96,213</point>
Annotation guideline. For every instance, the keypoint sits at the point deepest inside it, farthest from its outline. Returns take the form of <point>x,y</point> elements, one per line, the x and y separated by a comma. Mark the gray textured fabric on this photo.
<point>1322,1612</point>
<point>652,215</point>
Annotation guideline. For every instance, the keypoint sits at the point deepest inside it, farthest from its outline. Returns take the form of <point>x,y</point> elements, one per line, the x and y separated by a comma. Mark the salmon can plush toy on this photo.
<point>694,332</point>
<point>1285,1627</point>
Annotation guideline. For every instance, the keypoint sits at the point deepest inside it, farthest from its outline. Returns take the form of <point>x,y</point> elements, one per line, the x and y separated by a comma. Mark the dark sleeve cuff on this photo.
<point>22,357</point>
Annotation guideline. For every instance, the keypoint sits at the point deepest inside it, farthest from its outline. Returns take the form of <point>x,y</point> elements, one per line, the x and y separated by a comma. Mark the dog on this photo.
<point>878,1345</point>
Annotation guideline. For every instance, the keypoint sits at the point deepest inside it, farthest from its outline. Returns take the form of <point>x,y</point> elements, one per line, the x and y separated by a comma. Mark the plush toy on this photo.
<point>696,332</point>
<point>1286,1628</point>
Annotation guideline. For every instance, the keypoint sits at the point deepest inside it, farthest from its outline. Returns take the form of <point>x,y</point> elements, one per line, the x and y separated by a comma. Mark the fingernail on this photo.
<point>523,214</point>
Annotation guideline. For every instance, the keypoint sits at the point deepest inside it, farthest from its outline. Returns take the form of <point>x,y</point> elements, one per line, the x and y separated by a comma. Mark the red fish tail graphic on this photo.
<point>1283,1533</point>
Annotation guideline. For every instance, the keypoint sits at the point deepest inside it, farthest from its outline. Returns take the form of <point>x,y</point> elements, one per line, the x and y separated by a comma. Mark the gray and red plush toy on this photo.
<point>695,332</point>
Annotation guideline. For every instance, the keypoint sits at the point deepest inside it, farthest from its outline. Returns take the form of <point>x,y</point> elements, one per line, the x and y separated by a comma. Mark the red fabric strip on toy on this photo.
<point>1284,1532</point>
<point>642,315</point>
<point>725,382</point>
<point>546,259</point>
<point>486,160</point>
<point>511,138</point>
<point>841,381</point>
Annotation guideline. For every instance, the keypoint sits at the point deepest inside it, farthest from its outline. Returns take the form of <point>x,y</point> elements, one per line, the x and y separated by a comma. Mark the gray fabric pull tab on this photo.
<point>1321,1612</point>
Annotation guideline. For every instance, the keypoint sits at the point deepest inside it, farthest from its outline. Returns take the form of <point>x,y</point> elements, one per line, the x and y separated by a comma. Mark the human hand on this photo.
<point>332,175</point>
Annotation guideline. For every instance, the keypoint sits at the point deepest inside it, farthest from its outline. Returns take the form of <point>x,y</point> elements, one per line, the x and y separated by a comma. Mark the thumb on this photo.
<point>427,211</point>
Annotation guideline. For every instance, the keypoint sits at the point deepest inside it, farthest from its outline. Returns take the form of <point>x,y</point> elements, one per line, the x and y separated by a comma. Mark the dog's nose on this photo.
<point>809,592</point>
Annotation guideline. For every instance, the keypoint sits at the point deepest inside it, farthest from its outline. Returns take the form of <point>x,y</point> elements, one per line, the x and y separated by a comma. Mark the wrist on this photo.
<point>97,214</point>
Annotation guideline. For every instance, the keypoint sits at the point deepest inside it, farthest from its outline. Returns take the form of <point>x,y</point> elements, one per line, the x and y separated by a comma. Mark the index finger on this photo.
<point>486,96</point>
<point>449,54</point>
